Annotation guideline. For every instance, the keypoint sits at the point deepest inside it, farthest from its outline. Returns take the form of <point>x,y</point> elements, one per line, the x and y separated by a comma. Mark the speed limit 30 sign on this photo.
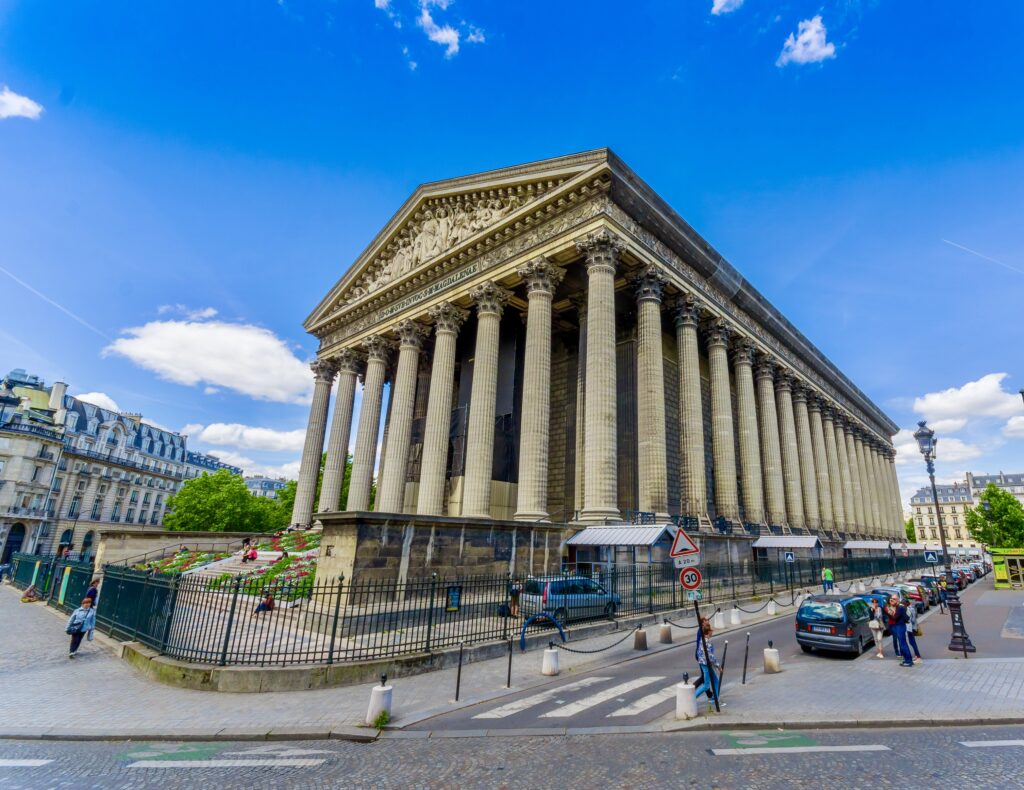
<point>690,578</point>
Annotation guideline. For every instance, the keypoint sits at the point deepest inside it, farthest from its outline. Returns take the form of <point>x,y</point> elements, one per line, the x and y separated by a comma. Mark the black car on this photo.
<point>834,622</point>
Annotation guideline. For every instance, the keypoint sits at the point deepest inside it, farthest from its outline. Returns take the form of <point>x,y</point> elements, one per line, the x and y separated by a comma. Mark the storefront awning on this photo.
<point>621,536</point>
<point>909,546</point>
<point>878,545</point>
<point>787,542</point>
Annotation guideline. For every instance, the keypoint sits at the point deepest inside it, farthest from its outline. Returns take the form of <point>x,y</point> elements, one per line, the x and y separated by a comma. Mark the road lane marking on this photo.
<point>867,747</point>
<point>282,763</point>
<point>12,763</point>
<point>982,744</point>
<point>646,703</point>
<point>602,696</point>
<point>545,696</point>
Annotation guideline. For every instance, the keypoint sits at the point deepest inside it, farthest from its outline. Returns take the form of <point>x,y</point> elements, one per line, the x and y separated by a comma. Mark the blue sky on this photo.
<point>180,183</point>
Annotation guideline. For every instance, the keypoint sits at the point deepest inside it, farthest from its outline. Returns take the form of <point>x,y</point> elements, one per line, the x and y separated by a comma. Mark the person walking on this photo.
<point>709,667</point>
<point>94,591</point>
<point>81,623</point>
<point>827,580</point>
<point>877,626</point>
<point>912,631</point>
<point>515,589</point>
<point>898,619</point>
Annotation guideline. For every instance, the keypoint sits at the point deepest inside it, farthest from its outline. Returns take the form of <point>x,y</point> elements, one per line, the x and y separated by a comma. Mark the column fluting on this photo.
<point>771,450</point>
<point>579,301</point>
<point>377,351</point>
<point>723,442</point>
<point>859,519</point>
<point>693,488</point>
<point>867,487</point>
<point>837,480</point>
<point>750,451</point>
<point>808,484</point>
<point>820,463</point>
<point>790,451</point>
<point>324,371</point>
<point>653,467</point>
<point>349,363</point>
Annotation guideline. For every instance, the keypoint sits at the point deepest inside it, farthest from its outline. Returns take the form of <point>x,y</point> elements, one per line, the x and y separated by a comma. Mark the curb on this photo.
<point>351,733</point>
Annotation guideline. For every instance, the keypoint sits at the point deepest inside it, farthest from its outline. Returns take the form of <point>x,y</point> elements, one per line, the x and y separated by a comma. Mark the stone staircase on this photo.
<point>235,566</point>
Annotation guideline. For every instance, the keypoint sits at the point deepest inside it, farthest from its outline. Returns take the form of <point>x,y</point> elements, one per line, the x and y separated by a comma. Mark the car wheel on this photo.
<point>609,611</point>
<point>560,615</point>
<point>806,648</point>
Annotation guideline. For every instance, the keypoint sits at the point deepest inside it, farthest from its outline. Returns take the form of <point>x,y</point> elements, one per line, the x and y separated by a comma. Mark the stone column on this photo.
<point>897,501</point>
<point>750,452</point>
<point>391,487</point>
<point>580,303</point>
<point>341,429</point>
<point>771,450</point>
<point>324,371</point>
<point>490,301</point>
<point>866,486</point>
<point>820,463</point>
<point>693,489</point>
<point>447,320</point>
<point>884,508</point>
<point>808,484</point>
<point>377,351</point>
<point>790,452</point>
<point>859,519</point>
<point>723,443</point>
<point>837,479</point>
<point>600,501</point>
<point>542,277</point>
<point>653,459</point>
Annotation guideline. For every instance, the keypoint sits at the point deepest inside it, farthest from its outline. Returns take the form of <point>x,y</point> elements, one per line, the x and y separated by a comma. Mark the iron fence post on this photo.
<point>334,623</point>
<point>142,598</point>
<point>650,589</point>
<point>172,605</point>
<point>231,622</point>
<point>430,611</point>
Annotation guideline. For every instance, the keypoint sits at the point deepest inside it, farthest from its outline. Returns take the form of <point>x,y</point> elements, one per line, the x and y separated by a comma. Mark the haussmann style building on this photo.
<point>561,347</point>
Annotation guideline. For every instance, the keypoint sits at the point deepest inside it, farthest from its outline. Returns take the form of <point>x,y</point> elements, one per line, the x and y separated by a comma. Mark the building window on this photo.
<point>130,515</point>
<point>73,510</point>
<point>931,520</point>
<point>116,514</point>
<point>96,505</point>
<point>142,516</point>
<point>134,497</point>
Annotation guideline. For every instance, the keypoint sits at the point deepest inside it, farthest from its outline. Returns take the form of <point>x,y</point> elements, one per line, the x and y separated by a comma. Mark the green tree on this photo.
<point>911,532</point>
<point>219,503</point>
<point>1001,525</point>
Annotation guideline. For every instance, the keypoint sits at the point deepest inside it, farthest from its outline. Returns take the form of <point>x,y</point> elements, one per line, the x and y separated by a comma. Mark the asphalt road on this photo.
<point>910,759</point>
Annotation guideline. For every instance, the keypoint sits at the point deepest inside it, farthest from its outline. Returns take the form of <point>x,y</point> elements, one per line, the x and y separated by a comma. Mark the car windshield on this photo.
<point>821,610</point>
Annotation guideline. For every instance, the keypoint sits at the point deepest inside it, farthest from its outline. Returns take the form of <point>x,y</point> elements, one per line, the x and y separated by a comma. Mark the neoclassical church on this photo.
<point>552,342</point>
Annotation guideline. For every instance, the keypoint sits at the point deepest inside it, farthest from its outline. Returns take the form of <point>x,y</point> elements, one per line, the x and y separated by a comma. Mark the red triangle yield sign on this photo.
<point>683,545</point>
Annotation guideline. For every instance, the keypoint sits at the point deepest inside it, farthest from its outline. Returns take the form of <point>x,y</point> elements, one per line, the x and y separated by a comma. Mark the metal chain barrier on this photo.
<point>754,611</point>
<point>679,625</point>
<point>598,650</point>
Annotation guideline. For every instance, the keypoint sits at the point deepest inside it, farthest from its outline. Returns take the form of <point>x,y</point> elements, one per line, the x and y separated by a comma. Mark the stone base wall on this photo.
<point>116,545</point>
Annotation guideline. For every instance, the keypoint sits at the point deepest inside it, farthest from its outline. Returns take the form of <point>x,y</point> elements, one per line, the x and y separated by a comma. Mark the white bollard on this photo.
<point>686,702</point>
<point>771,661</point>
<point>380,702</point>
<point>772,609</point>
<point>550,663</point>
<point>718,621</point>
<point>734,617</point>
<point>665,634</point>
<point>861,588</point>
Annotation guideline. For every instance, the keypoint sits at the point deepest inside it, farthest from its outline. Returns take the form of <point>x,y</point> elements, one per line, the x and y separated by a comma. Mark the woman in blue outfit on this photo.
<point>708,663</point>
<point>81,622</point>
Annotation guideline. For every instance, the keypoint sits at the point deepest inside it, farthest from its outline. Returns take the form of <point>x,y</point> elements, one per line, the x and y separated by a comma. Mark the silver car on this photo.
<point>567,598</point>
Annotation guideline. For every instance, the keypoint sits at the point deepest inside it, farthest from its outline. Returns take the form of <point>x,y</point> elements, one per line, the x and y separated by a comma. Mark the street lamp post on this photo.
<point>959,641</point>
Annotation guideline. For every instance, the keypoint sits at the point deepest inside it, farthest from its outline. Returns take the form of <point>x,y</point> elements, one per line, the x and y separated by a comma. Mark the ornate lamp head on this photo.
<point>926,440</point>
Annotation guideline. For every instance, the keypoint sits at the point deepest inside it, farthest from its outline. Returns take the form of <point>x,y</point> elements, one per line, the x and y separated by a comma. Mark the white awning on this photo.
<point>621,535</point>
<point>787,542</point>
<point>878,545</point>
<point>910,546</point>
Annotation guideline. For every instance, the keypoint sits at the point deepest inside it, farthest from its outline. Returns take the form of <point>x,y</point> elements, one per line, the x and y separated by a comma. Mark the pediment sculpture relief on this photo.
<point>441,224</point>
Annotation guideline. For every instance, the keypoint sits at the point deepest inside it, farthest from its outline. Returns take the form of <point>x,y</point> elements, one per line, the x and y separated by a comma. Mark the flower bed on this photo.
<point>288,578</point>
<point>183,560</point>
<point>295,542</point>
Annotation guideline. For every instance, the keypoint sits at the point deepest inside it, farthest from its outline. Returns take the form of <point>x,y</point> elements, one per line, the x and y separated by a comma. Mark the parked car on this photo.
<point>888,592</point>
<point>882,601</point>
<point>959,578</point>
<point>931,584</point>
<point>567,598</point>
<point>834,622</point>
<point>917,594</point>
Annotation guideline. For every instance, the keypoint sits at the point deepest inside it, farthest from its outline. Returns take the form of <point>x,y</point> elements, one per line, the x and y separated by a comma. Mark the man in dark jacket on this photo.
<point>898,621</point>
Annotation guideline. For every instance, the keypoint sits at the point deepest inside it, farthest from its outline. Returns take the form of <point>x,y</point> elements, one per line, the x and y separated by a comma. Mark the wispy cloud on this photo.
<point>50,301</point>
<point>809,45</point>
<point>193,315</point>
<point>445,35</point>
<point>719,7</point>
<point>428,17</point>
<point>984,257</point>
<point>13,105</point>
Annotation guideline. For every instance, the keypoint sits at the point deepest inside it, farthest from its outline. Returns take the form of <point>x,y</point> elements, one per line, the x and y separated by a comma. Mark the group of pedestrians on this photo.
<point>901,620</point>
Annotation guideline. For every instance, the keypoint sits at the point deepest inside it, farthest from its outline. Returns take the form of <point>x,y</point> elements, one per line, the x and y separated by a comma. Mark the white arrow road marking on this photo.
<point>12,763</point>
<point>983,744</point>
<point>281,751</point>
<point>545,696</point>
<point>646,703</point>
<point>293,763</point>
<point>602,696</point>
<point>869,747</point>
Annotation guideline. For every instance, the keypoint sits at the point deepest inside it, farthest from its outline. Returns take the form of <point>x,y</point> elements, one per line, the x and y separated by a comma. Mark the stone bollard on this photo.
<point>718,621</point>
<point>665,634</point>
<point>380,702</point>
<point>550,664</point>
<point>734,616</point>
<point>686,702</point>
<point>771,660</point>
<point>772,608</point>
<point>861,588</point>
<point>640,639</point>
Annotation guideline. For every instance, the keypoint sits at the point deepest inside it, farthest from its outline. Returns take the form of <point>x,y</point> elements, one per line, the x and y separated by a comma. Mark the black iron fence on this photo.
<point>208,621</point>
<point>61,581</point>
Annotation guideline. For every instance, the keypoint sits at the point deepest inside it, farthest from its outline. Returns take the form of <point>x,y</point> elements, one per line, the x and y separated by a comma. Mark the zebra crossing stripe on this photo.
<point>983,744</point>
<point>281,763</point>
<point>545,696</point>
<point>646,703</point>
<point>868,747</point>
<point>602,696</point>
<point>14,763</point>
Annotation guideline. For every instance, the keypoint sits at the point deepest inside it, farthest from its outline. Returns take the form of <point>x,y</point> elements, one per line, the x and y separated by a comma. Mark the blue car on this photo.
<point>834,622</point>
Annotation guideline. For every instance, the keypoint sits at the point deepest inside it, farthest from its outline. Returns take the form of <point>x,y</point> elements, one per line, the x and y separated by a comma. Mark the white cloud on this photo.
<point>1014,428</point>
<point>725,6</point>
<point>246,437</point>
<point>243,358</point>
<point>100,399</point>
<point>193,315</point>
<point>809,44</point>
<point>13,105</point>
<point>476,35</point>
<point>951,425</point>
<point>905,446</point>
<point>383,5</point>
<point>251,468</point>
<point>982,398</point>
<point>948,450</point>
<point>445,35</point>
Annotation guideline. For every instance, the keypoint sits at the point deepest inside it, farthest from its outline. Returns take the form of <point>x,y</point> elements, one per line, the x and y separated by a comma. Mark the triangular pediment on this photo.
<point>442,217</point>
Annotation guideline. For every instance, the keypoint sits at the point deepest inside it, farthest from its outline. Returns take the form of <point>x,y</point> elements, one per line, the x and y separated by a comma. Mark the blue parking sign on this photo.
<point>931,556</point>
<point>790,556</point>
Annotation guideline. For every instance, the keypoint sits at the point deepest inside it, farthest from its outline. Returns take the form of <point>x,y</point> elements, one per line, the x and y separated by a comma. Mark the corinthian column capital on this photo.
<point>765,367</point>
<point>378,348</point>
<point>602,249</point>
<point>324,369</point>
<point>541,275</point>
<point>743,351</point>
<point>410,333</point>
<point>718,333</point>
<point>447,317</point>
<point>489,298</point>
<point>650,284</point>
<point>348,360</point>
<point>688,310</point>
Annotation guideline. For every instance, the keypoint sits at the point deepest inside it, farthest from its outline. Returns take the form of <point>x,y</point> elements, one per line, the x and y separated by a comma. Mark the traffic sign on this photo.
<point>790,556</point>
<point>690,578</point>
<point>687,561</point>
<point>694,595</point>
<point>931,556</point>
<point>683,545</point>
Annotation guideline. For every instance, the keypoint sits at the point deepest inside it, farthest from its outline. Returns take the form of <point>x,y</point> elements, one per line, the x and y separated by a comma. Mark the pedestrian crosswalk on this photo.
<point>526,703</point>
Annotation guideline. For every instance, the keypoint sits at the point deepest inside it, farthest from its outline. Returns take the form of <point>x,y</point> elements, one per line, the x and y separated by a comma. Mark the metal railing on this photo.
<point>115,458</point>
<point>35,430</point>
<point>216,620</point>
